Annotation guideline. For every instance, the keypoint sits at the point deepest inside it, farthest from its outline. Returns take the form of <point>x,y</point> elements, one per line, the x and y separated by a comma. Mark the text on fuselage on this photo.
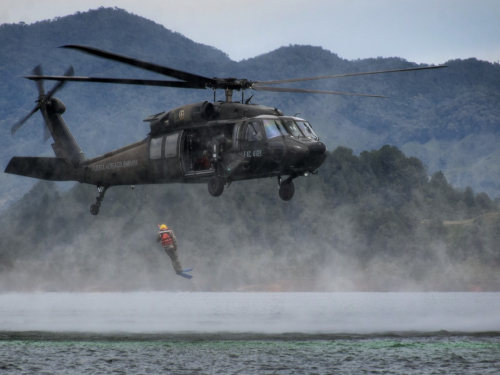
<point>252,154</point>
<point>118,164</point>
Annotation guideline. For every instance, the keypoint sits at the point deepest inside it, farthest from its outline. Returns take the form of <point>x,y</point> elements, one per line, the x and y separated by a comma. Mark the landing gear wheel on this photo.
<point>287,189</point>
<point>215,186</point>
<point>94,209</point>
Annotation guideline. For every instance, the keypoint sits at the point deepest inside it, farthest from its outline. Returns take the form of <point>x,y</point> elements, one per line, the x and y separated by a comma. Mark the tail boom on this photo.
<point>52,169</point>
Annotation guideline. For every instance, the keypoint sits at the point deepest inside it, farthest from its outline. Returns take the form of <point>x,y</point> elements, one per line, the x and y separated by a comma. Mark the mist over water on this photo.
<point>249,333</point>
<point>374,222</point>
<point>233,243</point>
<point>100,295</point>
<point>263,313</point>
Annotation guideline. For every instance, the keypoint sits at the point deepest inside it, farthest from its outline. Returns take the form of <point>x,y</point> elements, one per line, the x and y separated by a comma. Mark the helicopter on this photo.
<point>212,142</point>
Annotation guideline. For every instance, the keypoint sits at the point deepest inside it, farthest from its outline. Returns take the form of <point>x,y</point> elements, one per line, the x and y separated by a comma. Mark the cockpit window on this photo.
<point>253,132</point>
<point>293,129</point>
<point>272,128</point>
<point>307,129</point>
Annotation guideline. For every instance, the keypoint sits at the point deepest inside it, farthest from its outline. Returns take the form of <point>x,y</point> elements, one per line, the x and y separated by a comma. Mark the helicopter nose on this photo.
<point>317,148</point>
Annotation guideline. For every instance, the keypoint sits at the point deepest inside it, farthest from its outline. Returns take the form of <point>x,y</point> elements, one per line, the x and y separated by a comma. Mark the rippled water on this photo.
<point>250,333</point>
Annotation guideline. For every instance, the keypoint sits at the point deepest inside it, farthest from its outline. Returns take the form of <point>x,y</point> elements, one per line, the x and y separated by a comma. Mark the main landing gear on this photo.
<point>94,208</point>
<point>287,189</point>
<point>216,186</point>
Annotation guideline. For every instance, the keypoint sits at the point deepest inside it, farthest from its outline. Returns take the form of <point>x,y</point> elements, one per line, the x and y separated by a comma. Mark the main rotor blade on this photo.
<point>179,74</point>
<point>283,89</point>
<point>68,73</point>
<point>141,82</point>
<point>20,123</point>
<point>39,84</point>
<point>345,75</point>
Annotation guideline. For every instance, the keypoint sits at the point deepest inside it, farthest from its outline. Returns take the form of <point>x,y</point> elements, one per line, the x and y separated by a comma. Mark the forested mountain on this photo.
<point>448,117</point>
<point>375,217</point>
<point>369,222</point>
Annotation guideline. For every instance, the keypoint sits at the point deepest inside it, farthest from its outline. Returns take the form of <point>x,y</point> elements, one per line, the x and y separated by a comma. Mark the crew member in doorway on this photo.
<point>169,243</point>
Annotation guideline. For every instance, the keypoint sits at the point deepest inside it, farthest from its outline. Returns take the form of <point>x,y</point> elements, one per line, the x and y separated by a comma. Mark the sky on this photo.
<point>421,31</point>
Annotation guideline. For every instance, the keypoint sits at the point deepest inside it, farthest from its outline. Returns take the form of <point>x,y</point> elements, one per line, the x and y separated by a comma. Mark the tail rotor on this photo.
<point>43,98</point>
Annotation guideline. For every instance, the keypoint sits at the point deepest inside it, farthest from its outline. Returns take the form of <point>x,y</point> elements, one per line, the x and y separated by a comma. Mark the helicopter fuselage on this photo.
<point>193,143</point>
<point>214,143</point>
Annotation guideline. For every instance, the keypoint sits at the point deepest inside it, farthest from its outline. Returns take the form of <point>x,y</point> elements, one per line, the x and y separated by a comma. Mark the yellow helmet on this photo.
<point>163,227</point>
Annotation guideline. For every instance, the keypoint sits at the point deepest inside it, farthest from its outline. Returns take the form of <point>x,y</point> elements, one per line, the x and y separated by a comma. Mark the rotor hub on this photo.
<point>230,84</point>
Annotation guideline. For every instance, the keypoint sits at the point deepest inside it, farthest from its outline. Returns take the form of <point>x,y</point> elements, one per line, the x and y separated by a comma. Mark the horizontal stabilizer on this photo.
<point>53,169</point>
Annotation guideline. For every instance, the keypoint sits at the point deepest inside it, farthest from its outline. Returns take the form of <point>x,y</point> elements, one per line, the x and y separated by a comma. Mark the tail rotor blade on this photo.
<point>20,123</point>
<point>46,133</point>
<point>39,84</point>
<point>69,72</point>
<point>42,98</point>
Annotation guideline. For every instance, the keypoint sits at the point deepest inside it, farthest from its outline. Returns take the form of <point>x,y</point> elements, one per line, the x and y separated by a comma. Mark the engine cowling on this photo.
<point>198,112</point>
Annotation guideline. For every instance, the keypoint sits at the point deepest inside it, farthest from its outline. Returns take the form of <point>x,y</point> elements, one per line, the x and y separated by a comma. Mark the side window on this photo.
<point>171,145</point>
<point>155,148</point>
<point>253,132</point>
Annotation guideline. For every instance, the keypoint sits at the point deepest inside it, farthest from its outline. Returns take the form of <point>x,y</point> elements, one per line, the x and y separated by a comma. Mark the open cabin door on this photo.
<point>196,152</point>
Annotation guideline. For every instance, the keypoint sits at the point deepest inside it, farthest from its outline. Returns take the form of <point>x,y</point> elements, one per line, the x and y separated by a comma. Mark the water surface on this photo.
<point>250,333</point>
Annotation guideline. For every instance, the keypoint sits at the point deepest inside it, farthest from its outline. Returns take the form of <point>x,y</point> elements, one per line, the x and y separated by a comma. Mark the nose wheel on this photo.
<point>94,208</point>
<point>287,188</point>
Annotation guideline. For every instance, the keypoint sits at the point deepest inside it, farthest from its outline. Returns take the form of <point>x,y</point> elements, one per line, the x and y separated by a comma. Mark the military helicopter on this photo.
<point>209,142</point>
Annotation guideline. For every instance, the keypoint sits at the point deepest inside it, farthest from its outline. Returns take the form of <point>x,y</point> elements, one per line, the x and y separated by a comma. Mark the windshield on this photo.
<point>272,128</point>
<point>307,129</point>
<point>293,129</point>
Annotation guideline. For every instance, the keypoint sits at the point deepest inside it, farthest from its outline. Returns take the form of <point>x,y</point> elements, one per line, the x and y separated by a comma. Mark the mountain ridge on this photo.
<point>446,105</point>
